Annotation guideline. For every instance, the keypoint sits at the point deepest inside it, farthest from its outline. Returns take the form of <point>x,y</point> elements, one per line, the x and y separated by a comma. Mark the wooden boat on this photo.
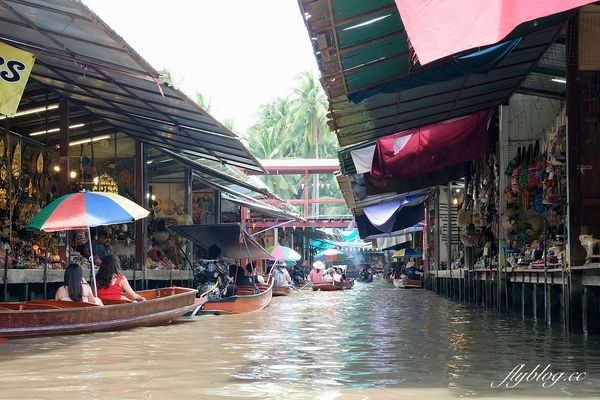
<point>408,283</point>
<point>53,317</point>
<point>282,291</point>
<point>244,301</point>
<point>331,286</point>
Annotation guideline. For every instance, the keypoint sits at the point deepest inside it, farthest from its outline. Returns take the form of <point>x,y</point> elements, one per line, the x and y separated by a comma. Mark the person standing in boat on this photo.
<point>316,274</point>
<point>281,276</point>
<point>211,276</point>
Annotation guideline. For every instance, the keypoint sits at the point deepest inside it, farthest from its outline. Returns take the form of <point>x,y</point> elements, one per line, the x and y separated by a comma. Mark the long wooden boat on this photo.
<point>408,283</point>
<point>244,301</point>
<point>331,286</point>
<point>282,291</point>
<point>53,317</point>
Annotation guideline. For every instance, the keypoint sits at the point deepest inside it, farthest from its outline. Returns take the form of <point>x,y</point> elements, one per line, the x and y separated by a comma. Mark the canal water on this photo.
<point>372,342</point>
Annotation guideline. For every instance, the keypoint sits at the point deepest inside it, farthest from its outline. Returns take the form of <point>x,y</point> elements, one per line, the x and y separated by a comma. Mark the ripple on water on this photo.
<point>373,341</point>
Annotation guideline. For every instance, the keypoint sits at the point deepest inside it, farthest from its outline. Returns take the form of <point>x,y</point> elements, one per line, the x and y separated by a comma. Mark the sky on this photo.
<point>238,53</point>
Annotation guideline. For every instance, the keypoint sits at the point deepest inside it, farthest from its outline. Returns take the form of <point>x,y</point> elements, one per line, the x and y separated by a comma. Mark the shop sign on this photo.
<point>62,238</point>
<point>15,68</point>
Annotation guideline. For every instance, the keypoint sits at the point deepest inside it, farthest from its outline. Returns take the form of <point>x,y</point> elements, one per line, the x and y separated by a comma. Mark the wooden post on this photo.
<point>575,252</point>
<point>140,198</point>
<point>217,206</point>
<point>305,193</point>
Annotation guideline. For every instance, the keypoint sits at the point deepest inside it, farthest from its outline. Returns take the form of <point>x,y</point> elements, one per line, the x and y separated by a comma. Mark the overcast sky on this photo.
<point>240,53</point>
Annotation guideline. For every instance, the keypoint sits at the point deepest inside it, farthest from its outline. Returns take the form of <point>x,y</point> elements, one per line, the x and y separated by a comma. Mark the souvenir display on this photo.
<point>535,197</point>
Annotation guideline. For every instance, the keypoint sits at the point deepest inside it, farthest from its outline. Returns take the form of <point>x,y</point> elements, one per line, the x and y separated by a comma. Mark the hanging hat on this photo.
<point>319,265</point>
<point>169,207</point>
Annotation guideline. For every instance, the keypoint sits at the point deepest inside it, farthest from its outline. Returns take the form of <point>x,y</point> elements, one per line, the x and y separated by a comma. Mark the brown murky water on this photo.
<point>373,342</point>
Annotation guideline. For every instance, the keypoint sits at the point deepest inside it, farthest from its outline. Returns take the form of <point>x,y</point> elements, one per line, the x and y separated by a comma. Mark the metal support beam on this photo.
<point>63,160</point>
<point>140,198</point>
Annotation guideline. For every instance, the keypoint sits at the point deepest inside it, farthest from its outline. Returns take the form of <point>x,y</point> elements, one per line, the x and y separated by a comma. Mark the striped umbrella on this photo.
<point>280,252</point>
<point>84,210</point>
<point>329,255</point>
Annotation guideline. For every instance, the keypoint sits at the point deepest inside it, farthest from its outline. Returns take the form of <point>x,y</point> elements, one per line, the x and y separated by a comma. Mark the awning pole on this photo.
<point>272,227</point>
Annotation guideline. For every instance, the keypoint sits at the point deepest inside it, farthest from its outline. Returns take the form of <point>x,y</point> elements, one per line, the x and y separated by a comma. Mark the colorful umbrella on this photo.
<point>408,252</point>
<point>329,254</point>
<point>84,210</point>
<point>280,252</point>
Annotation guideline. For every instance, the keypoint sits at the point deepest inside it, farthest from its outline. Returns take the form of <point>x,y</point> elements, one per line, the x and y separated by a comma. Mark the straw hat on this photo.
<point>319,265</point>
<point>280,263</point>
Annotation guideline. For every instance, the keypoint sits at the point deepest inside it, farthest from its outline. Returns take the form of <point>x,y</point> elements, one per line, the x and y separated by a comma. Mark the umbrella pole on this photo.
<point>46,269</point>
<point>92,263</point>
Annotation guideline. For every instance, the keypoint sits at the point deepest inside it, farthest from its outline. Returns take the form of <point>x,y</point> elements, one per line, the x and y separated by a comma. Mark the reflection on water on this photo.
<point>374,341</point>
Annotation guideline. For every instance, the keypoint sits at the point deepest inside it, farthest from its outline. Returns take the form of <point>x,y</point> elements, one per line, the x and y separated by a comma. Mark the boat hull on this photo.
<point>330,287</point>
<point>282,291</point>
<point>51,317</point>
<point>408,283</point>
<point>239,303</point>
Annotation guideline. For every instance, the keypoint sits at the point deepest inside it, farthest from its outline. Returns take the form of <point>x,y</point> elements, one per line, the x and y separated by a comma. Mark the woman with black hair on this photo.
<point>75,288</point>
<point>112,284</point>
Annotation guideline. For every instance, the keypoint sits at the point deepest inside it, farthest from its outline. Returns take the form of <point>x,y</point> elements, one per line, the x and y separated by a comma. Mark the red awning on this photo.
<point>439,28</point>
<point>430,148</point>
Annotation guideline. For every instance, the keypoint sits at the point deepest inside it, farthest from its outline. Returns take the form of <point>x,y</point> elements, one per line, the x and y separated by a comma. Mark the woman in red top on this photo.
<point>112,284</point>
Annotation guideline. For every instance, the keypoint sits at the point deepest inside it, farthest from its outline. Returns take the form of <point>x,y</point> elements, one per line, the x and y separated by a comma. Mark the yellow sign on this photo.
<point>15,67</point>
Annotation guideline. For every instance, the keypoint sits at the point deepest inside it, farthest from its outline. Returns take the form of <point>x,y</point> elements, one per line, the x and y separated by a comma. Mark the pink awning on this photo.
<point>439,28</point>
<point>433,147</point>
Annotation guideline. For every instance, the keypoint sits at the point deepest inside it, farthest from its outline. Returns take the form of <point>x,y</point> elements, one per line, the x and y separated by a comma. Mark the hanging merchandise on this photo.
<point>16,161</point>
<point>535,197</point>
<point>106,184</point>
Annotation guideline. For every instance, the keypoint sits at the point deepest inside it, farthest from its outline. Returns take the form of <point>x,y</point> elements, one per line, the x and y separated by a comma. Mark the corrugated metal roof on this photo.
<point>79,57</point>
<point>360,45</point>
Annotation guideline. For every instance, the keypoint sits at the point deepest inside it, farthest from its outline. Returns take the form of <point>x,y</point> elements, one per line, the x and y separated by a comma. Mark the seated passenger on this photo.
<point>316,274</point>
<point>251,271</point>
<point>75,288</point>
<point>337,277</point>
<point>281,276</point>
<point>112,284</point>
<point>242,278</point>
<point>410,271</point>
<point>211,276</point>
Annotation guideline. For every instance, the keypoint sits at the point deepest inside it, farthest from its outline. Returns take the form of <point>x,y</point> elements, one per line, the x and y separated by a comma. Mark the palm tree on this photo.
<point>296,127</point>
<point>203,102</point>
<point>309,120</point>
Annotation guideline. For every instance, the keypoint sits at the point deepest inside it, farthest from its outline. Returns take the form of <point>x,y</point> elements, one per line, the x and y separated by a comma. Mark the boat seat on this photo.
<point>244,292</point>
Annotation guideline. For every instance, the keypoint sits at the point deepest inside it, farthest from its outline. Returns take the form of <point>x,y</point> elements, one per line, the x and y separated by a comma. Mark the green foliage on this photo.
<point>296,127</point>
<point>203,102</point>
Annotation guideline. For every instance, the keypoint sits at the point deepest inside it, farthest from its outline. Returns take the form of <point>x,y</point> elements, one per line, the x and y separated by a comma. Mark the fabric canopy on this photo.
<point>439,28</point>
<point>432,147</point>
<point>382,216</point>
<point>234,241</point>
<point>363,159</point>
<point>480,62</point>
<point>373,186</point>
<point>404,218</point>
